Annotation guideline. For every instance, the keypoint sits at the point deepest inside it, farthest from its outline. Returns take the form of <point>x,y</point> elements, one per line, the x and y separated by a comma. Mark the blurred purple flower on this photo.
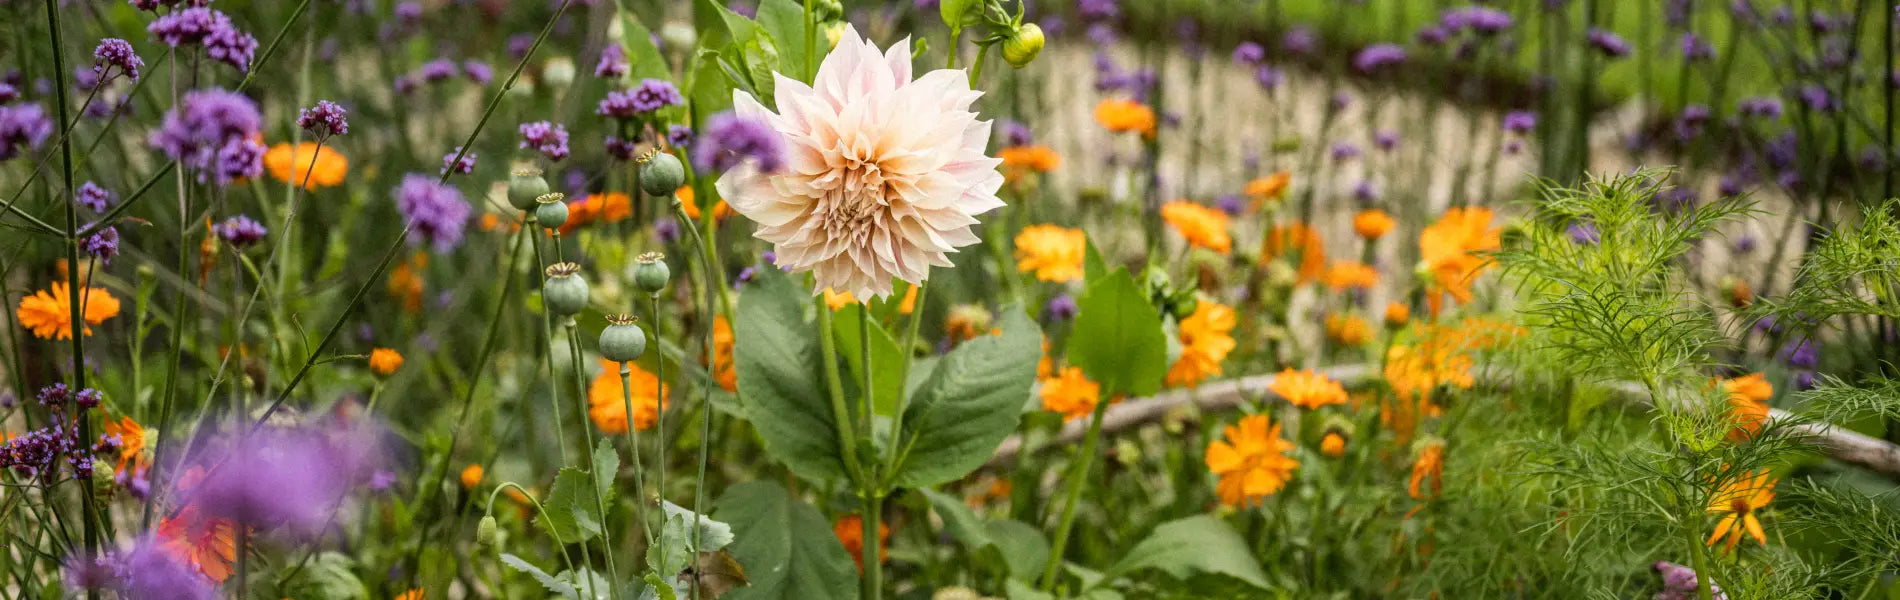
<point>239,231</point>
<point>1060,308</point>
<point>1249,53</point>
<point>149,570</point>
<point>93,197</point>
<point>679,136</point>
<point>1584,233</point>
<point>1767,107</point>
<point>324,120</point>
<point>292,478</point>
<point>1015,133</point>
<point>651,95</point>
<point>730,140</point>
<point>1520,122</point>
<point>1431,35</point>
<point>1378,56</point>
<point>1098,10</point>
<point>1694,48</point>
<point>22,126</point>
<point>620,148</point>
<point>1365,192</point>
<point>437,70</point>
<point>1816,98</point>
<point>1800,354</point>
<point>436,212</point>
<point>478,72</point>
<point>1343,151</point>
<point>1386,140</point>
<point>1609,44</point>
<point>465,164</point>
<point>211,131</point>
<point>613,62</point>
<point>546,137</point>
<point>229,45</point>
<point>1299,40</point>
<point>1232,204</point>
<point>1268,77</point>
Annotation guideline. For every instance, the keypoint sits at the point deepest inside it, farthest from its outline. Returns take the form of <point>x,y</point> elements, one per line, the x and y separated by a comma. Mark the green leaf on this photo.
<point>969,404</point>
<point>784,20</point>
<point>553,585</point>
<point>786,547</point>
<point>573,514</point>
<point>1118,341</point>
<point>327,576</point>
<point>1203,544</point>
<point>1024,549</point>
<point>1093,267</point>
<point>958,519</point>
<point>751,42</point>
<point>711,89</point>
<point>959,14</point>
<point>677,538</point>
<point>887,381</point>
<point>642,55</point>
<point>780,383</point>
<point>1016,589</point>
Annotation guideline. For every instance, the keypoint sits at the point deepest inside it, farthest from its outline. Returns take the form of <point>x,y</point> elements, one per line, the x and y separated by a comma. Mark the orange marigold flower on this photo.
<point>1299,240</point>
<point>1737,502</point>
<point>1372,224</point>
<point>1748,397</point>
<point>1332,444</point>
<point>384,361</point>
<point>1202,226</point>
<point>292,165</point>
<point>909,304</point>
<point>607,405</point>
<point>722,368</point>
<point>1429,464</point>
<point>131,444</point>
<point>1351,274</point>
<point>412,594</point>
<point>685,194</point>
<point>850,532</point>
<point>1397,314</point>
<point>602,208</point>
<point>1206,338</point>
<point>48,313</point>
<point>208,544</point>
<point>839,300</point>
<point>1308,389</point>
<point>1450,248</point>
<point>1268,189</point>
<point>405,282</point>
<point>1251,460</point>
<point>1021,160</point>
<point>472,476</point>
<point>1124,115</point>
<point>1071,394</point>
<point>1348,329</point>
<point>1052,252</point>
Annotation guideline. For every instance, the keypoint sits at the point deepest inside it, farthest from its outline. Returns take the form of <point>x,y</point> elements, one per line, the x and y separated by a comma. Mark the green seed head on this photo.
<point>525,187</point>
<point>487,531</point>
<point>565,290</point>
<point>651,274</point>
<point>550,211</point>
<point>622,340</point>
<point>661,173</point>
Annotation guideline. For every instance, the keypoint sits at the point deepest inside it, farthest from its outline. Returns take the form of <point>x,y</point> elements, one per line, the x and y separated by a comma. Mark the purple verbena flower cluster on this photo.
<point>435,211</point>
<point>613,62</point>
<point>103,244</point>
<point>324,120</point>
<point>213,132</point>
<point>547,137</point>
<point>731,140</point>
<point>115,53</point>
<point>93,197</point>
<point>239,231</point>
<point>458,161</point>
<point>641,100</point>
<point>222,40</point>
<point>22,127</point>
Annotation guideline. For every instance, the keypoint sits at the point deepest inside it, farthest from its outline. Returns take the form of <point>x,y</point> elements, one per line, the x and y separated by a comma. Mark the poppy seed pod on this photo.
<point>1022,45</point>
<point>622,340</point>
<point>661,173</point>
<point>565,290</point>
<point>525,187</point>
<point>487,531</point>
<point>551,211</point>
<point>651,274</point>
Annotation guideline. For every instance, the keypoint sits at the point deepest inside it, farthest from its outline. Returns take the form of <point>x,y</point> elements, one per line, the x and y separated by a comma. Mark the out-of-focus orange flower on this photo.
<point>1737,503</point>
<point>909,304</point>
<point>1748,397</point>
<point>1052,252</point>
<point>472,476</point>
<point>384,361</point>
<point>207,544</point>
<point>1297,239</point>
<point>1450,249</point>
<point>1372,224</point>
<point>1348,329</point>
<point>1070,394</point>
<point>1251,460</point>
<point>1441,355</point>
<point>1428,465</point>
<point>1206,338</point>
<point>1308,389</point>
<point>1124,115</point>
<point>1397,314</point>
<point>1268,189</point>
<point>292,165</point>
<point>722,368</point>
<point>838,300</point>
<point>1351,274</point>
<point>850,532</point>
<point>685,194</point>
<point>131,444</point>
<point>1332,444</point>
<point>405,282</point>
<point>597,208</point>
<point>607,405</point>
<point>492,221</point>
<point>1022,160</point>
<point>413,594</point>
<point>1201,226</point>
<point>48,313</point>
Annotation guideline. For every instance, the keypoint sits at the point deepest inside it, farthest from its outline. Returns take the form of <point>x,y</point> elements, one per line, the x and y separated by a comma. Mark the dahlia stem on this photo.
<point>73,289</point>
<point>872,550</point>
<point>1078,473</point>
<point>865,388</point>
<point>847,430</point>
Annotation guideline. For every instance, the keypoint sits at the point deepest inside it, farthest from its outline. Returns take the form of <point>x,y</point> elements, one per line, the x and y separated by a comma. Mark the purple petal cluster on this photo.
<point>613,62</point>
<point>230,46</point>
<point>1610,44</point>
<point>1766,107</point>
<point>116,53</point>
<point>23,126</point>
<point>103,244</point>
<point>620,148</point>
<point>93,197</point>
<point>1695,49</point>
<point>211,131</point>
<point>478,72</point>
<point>1299,40</point>
<point>325,119</point>
<point>731,139</point>
<point>435,211</point>
<point>437,70</point>
<point>679,136</point>
<point>651,95</point>
<point>1378,56</point>
<point>1015,133</point>
<point>1098,10</point>
<point>1679,582</point>
<point>291,478</point>
<point>1249,53</point>
<point>1482,20</point>
<point>239,231</point>
<point>222,40</point>
<point>465,164</point>
<point>549,138</point>
<point>149,570</point>
<point>1520,122</point>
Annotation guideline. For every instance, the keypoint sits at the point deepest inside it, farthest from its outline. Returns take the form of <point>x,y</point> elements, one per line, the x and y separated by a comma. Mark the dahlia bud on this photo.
<point>661,173</point>
<point>559,71</point>
<point>525,187</point>
<point>622,340</point>
<point>565,291</point>
<point>550,210</point>
<point>1022,45</point>
<point>651,274</point>
<point>487,531</point>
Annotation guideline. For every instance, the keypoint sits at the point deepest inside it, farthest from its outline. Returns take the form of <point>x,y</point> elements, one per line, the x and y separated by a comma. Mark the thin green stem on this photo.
<point>873,548</point>
<point>633,444</point>
<point>834,385</point>
<point>74,290</point>
<point>1078,474</point>
<point>578,368</point>
<point>659,382</point>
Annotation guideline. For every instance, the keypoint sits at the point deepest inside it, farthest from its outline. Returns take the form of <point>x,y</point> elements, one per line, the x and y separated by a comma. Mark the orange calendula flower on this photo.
<point>1071,394</point>
<point>1052,252</point>
<point>850,532</point>
<point>722,369</point>
<point>685,194</point>
<point>1348,329</point>
<point>1251,460</point>
<point>323,166</point>
<point>1350,274</point>
<point>384,361</point>
<point>1737,503</point>
<point>1298,240</point>
<point>838,300</point>
<point>1372,224</point>
<point>597,208</point>
<point>607,405</point>
<point>965,322</point>
<point>1748,397</point>
<point>131,444</point>
<point>1206,338</point>
<point>405,282</point>
<point>413,594</point>
<point>1428,465</point>
<point>208,544</point>
<point>1268,189</point>
<point>909,304</point>
<point>1022,160</point>
<point>1397,314</point>
<point>1202,226</point>
<point>1449,249</point>
<point>1333,444</point>
<point>1123,115</point>
<point>48,313</point>
<point>1308,389</point>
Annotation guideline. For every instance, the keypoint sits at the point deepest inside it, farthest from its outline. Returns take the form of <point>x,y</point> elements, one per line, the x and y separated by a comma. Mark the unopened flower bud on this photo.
<point>102,476</point>
<point>487,531</point>
<point>565,291</point>
<point>651,273</point>
<point>1022,45</point>
<point>525,187</point>
<point>679,35</point>
<point>551,211</point>
<point>661,173</point>
<point>559,71</point>
<point>622,340</point>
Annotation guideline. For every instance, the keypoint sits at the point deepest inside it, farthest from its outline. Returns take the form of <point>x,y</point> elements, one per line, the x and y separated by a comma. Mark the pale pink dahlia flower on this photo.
<point>882,177</point>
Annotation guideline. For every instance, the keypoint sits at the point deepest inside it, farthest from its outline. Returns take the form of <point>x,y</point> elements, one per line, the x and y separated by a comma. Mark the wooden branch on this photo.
<point>1840,444</point>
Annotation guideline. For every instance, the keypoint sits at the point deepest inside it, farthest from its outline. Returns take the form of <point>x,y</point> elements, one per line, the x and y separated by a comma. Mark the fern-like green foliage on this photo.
<point>1855,270</point>
<point>1835,401</point>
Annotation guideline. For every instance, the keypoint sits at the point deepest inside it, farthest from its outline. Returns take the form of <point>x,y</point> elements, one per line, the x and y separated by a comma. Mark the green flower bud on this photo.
<point>661,173</point>
<point>558,71</point>
<point>565,291</point>
<point>678,35</point>
<point>487,531</point>
<point>622,340</point>
<point>1022,45</point>
<point>101,475</point>
<point>1183,304</point>
<point>551,211</point>
<point>651,273</point>
<point>525,188</point>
